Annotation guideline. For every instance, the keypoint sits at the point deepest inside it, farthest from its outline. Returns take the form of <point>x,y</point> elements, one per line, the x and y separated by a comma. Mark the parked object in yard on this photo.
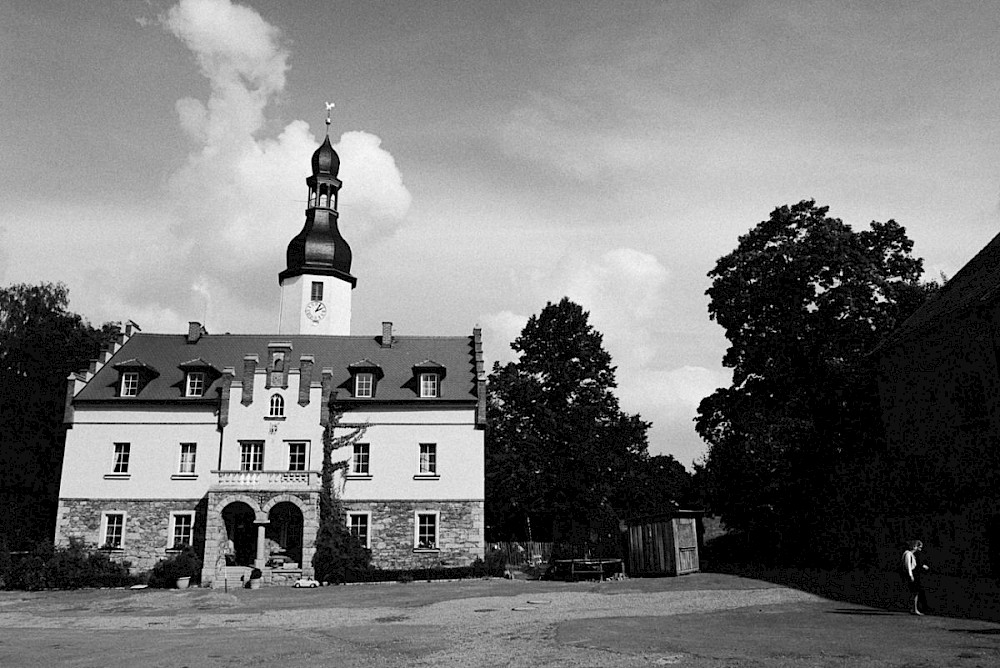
<point>306,583</point>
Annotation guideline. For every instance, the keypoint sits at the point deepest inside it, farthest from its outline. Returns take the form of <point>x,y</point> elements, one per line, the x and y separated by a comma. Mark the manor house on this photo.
<point>216,441</point>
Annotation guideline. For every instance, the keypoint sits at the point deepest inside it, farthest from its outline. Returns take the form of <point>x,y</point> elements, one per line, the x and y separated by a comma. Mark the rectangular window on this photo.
<point>426,534</point>
<point>121,458</point>
<point>428,458</point>
<point>130,384</point>
<point>358,524</point>
<point>428,385</point>
<point>296,456</point>
<point>359,463</point>
<point>252,456</point>
<point>188,452</point>
<point>196,383</point>
<point>317,291</point>
<point>114,531</point>
<point>181,530</point>
<point>363,383</point>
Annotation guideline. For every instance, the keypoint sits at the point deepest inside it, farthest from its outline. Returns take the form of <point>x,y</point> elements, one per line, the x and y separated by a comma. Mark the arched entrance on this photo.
<point>238,518</point>
<point>284,533</point>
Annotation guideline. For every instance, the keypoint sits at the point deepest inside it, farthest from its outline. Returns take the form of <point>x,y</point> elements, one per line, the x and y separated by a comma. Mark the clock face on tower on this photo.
<point>315,311</point>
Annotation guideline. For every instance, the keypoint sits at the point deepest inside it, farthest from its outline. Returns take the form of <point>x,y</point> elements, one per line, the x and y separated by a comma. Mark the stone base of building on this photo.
<point>146,538</point>
<point>392,530</point>
<point>392,527</point>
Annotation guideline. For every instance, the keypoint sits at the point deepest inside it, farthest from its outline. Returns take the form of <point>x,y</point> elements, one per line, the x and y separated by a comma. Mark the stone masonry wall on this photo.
<point>147,524</point>
<point>460,532</point>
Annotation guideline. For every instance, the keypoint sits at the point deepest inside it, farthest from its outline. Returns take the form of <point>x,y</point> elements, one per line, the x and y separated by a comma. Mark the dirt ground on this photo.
<point>702,620</point>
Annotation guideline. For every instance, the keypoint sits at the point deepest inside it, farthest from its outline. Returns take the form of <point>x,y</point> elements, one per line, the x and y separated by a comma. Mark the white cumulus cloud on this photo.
<point>240,196</point>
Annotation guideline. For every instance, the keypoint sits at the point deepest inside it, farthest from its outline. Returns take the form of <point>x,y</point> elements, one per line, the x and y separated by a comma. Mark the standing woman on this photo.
<point>911,573</point>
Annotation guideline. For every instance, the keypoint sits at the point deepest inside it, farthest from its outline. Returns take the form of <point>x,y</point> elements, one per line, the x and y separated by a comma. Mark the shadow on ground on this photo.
<point>947,596</point>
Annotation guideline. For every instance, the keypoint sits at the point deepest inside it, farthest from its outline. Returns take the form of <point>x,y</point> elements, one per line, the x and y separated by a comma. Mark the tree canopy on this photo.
<point>41,343</point>
<point>559,447</point>
<point>804,299</point>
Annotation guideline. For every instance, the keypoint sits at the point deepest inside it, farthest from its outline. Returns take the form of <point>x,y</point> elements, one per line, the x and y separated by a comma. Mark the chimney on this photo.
<point>387,335</point>
<point>195,332</point>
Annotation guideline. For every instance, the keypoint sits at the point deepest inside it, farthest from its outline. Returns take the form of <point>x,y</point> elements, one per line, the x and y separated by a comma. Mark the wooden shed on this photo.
<point>664,544</point>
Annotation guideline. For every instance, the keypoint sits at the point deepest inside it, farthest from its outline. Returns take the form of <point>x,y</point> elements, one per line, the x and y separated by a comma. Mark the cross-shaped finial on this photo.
<point>329,107</point>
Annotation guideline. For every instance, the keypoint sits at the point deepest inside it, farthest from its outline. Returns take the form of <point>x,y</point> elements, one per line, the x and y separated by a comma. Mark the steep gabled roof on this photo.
<point>975,285</point>
<point>171,354</point>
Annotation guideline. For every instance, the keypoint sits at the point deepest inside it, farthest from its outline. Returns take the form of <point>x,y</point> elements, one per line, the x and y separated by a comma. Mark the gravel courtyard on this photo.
<point>705,619</point>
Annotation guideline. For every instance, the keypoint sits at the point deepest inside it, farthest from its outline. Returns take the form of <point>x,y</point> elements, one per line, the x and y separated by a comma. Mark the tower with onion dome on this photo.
<point>316,284</point>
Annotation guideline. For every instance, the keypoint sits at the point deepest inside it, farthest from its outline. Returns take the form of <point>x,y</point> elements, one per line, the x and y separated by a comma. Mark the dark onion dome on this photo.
<point>325,160</point>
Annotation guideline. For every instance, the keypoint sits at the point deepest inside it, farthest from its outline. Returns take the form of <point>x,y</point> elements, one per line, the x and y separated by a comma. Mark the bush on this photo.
<point>73,566</point>
<point>339,556</point>
<point>184,564</point>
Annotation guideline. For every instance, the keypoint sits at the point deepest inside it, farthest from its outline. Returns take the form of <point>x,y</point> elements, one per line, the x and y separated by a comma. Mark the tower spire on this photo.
<point>317,282</point>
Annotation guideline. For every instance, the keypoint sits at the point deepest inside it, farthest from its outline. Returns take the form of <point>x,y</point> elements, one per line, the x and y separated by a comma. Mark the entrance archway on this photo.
<point>240,530</point>
<point>284,533</point>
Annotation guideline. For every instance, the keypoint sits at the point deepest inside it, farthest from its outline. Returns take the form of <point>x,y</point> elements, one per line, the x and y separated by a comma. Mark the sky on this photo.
<point>496,156</point>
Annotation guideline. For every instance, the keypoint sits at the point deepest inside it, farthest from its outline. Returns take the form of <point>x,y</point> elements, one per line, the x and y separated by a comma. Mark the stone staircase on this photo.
<point>231,577</point>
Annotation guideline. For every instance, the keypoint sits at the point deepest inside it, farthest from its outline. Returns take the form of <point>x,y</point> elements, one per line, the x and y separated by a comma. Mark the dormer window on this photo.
<point>130,384</point>
<point>365,375</point>
<point>135,374</point>
<point>364,383</point>
<point>277,408</point>
<point>427,377</point>
<point>198,376</point>
<point>195,384</point>
<point>429,385</point>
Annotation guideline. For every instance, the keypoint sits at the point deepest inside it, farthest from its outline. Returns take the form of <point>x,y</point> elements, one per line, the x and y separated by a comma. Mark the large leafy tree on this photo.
<point>803,299</point>
<point>560,450</point>
<point>41,343</point>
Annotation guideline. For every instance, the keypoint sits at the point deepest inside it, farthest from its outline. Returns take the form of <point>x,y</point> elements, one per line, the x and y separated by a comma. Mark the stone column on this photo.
<point>261,559</point>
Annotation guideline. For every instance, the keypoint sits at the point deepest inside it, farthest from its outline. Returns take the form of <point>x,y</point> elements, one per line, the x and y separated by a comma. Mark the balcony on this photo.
<point>266,480</point>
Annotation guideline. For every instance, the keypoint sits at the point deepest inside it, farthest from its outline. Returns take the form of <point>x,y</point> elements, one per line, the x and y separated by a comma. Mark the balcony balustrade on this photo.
<point>267,479</point>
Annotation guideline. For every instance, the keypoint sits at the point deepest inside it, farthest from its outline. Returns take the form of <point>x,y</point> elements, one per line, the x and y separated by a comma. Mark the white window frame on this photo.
<point>182,468</point>
<point>172,530</point>
<point>195,384</point>
<point>130,384</point>
<point>436,514</point>
<point>430,385</point>
<point>365,389</point>
<point>427,464</point>
<point>105,524</point>
<point>351,514</point>
<point>276,408</point>
<point>305,456</point>
<point>121,454</point>
<point>362,453</point>
<point>251,455</point>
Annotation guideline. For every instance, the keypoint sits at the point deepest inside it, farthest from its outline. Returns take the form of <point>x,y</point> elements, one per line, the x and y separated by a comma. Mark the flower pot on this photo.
<point>182,583</point>
<point>255,583</point>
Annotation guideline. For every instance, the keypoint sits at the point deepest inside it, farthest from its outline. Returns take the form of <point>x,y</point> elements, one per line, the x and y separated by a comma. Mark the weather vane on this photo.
<point>329,107</point>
